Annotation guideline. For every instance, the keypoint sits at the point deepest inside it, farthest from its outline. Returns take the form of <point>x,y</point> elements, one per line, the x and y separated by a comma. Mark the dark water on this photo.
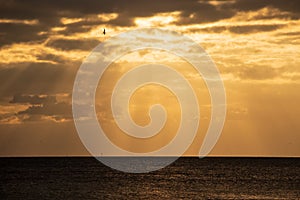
<point>187,178</point>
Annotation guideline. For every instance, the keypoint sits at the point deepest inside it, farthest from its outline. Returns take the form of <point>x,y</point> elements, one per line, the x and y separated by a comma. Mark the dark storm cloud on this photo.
<point>65,44</point>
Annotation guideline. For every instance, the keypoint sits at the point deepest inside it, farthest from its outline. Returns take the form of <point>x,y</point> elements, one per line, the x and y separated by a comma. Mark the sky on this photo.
<point>254,43</point>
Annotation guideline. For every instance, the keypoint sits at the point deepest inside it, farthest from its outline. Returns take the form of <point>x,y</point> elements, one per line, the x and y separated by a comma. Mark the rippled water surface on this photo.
<point>187,178</point>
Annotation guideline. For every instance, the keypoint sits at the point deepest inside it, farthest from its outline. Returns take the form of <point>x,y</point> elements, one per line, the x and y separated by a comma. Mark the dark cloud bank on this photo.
<point>49,13</point>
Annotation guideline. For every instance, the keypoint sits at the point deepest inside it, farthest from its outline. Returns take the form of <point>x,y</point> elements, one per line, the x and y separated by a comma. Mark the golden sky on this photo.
<point>254,43</point>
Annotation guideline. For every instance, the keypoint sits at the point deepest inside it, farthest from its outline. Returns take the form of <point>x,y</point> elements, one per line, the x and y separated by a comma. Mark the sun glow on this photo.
<point>158,20</point>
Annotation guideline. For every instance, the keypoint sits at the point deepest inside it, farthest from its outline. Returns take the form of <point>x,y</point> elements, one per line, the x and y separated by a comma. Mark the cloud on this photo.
<point>246,5</point>
<point>57,109</point>
<point>33,99</point>
<point>50,57</point>
<point>65,44</point>
<point>41,108</point>
<point>253,28</point>
<point>16,33</point>
<point>293,33</point>
<point>80,27</point>
<point>238,29</point>
<point>77,17</point>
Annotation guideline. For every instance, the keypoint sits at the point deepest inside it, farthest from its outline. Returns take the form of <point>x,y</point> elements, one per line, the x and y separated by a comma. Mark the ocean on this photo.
<point>187,178</point>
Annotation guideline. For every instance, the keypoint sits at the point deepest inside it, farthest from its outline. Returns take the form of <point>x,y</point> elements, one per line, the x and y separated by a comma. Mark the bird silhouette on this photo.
<point>103,31</point>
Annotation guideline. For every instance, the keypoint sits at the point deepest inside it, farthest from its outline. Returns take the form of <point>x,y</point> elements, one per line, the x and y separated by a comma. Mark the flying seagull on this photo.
<point>103,31</point>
